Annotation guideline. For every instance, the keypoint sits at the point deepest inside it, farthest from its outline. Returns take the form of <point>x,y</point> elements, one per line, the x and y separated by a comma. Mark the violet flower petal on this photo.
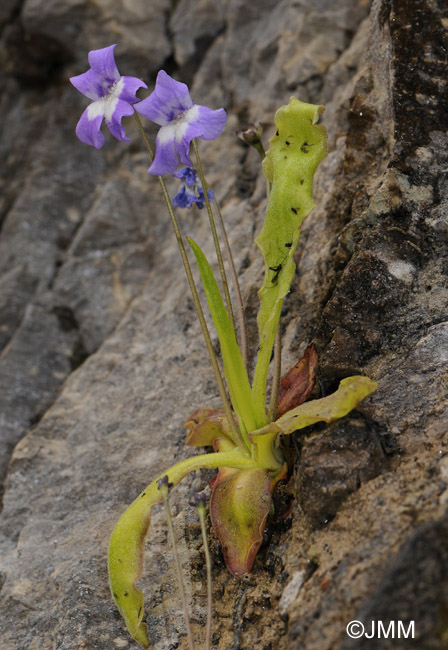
<point>188,175</point>
<point>200,199</point>
<point>184,199</point>
<point>114,117</point>
<point>88,128</point>
<point>198,122</point>
<point>129,90</point>
<point>103,63</point>
<point>167,102</point>
<point>165,160</point>
<point>89,84</point>
<point>182,145</point>
<point>204,122</point>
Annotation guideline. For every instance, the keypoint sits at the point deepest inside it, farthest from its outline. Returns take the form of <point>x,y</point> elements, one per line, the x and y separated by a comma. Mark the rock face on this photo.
<point>101,358</point>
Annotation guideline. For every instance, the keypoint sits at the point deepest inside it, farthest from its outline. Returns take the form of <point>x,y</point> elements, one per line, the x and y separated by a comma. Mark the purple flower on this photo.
<point>200,199</point>
<point>171,106</point>
<point>188,175</point>
<point>112,97</point>
<point>184,199</point>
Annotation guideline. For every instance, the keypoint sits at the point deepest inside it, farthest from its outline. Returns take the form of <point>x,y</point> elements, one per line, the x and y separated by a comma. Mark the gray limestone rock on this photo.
<point>68,29</point>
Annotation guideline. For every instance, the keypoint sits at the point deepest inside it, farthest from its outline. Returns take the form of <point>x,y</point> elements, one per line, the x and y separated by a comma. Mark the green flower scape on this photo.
<point>245,433</point>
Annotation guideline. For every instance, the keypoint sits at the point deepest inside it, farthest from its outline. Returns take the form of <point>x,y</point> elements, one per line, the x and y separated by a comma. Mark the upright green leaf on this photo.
<point>296,149</point>
<point>234,368</point>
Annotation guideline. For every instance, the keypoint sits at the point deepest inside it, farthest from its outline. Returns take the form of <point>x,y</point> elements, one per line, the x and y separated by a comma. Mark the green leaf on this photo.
<point>126,547</point>
<point>351,391</point>
<point>234,368</point>
<point>296,149</point>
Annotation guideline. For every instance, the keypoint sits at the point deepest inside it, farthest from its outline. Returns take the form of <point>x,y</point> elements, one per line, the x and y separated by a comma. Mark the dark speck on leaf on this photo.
<point>126,593</point>
<point>287,143</point>
<point>305,146</point>
<point>276,270</point>
<point>288,244</point>
<point>294,210</point>
<point>277,133</point>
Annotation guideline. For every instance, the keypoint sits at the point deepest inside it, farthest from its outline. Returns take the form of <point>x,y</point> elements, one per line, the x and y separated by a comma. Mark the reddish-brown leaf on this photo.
<point>298,383</point>
<point>205,426</point>
<point>239,506</point>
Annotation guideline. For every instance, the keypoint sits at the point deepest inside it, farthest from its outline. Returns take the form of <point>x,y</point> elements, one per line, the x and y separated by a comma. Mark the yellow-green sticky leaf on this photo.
<point>351,391</point>
<point>296,149</point>
<point>126,547</point>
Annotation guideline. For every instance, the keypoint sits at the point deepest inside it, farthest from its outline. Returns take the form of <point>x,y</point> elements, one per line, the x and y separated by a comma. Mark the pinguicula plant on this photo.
<point>245,432</point>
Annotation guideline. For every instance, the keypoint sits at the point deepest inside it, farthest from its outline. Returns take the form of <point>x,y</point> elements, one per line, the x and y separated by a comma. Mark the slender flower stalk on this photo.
<point>241,318</point>
<point>276,376</point>
<point>164,486</point>
<point>199,501</point>
<point>197,303</point>
<point>252,137</point>
<point>211,217</point>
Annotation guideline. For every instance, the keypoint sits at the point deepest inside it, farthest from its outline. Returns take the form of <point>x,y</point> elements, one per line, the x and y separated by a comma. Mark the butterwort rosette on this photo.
<point>112,97</point>
<point>171,106</point>
<point>240,499</point>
